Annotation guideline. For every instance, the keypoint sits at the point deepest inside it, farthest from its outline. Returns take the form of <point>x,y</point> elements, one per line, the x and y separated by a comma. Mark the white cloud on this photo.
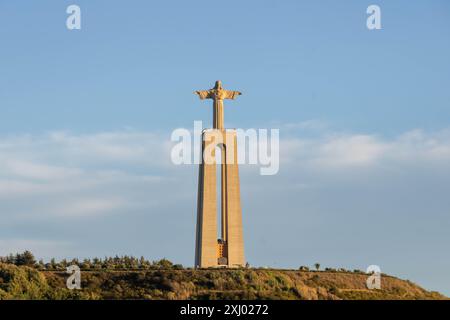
<point>27,169</point>
<point>64,175</point>
<point>337,151</point>
<point>85,207</point>
<point>120,146</point>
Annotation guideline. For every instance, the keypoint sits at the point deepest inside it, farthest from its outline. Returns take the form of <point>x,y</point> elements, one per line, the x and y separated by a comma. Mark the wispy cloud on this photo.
<point>355,150</point>
<point>68,175</point>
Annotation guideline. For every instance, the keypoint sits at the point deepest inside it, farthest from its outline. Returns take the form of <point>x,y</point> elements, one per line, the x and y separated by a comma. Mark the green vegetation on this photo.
<point>108,263</point>
<point>27,283</point>
<point>130,278</point>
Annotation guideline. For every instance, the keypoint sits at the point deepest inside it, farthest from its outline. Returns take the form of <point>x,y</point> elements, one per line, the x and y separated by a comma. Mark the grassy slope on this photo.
<point>22,282</point>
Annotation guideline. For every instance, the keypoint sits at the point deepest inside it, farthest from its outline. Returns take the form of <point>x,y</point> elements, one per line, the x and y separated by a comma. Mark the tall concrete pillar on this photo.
<point>226,249</point>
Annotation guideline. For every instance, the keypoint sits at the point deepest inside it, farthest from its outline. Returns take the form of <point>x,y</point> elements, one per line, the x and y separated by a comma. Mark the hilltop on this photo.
<point>23,282</point>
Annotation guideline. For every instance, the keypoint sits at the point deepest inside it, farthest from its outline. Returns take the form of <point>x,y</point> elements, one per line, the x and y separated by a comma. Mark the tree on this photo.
<point>86,264</point>
<point>163,264</point>
<point>317,265</point>
<point>143,264</point>
<point>11,259</point>
<point>303,268</point>
<point>53,263</point>
<point>41,265</point>
<point>25,259</point>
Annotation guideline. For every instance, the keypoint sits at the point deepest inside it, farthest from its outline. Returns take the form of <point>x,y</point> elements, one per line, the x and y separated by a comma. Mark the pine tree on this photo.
<point>25,259</point>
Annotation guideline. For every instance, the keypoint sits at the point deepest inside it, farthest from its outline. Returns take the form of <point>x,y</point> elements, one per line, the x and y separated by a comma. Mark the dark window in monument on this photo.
<point>219,156</point>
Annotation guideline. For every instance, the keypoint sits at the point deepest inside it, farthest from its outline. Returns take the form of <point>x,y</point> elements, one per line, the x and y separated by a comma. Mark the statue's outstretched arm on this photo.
<point>232,94</point>
<point>204,94</point>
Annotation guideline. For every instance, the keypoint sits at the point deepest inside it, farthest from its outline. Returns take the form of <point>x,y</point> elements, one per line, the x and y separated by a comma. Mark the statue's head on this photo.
<point>218,85</point>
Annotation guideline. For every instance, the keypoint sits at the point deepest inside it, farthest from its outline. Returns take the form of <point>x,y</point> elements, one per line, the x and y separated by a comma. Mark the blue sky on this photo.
<point>363,117</point>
